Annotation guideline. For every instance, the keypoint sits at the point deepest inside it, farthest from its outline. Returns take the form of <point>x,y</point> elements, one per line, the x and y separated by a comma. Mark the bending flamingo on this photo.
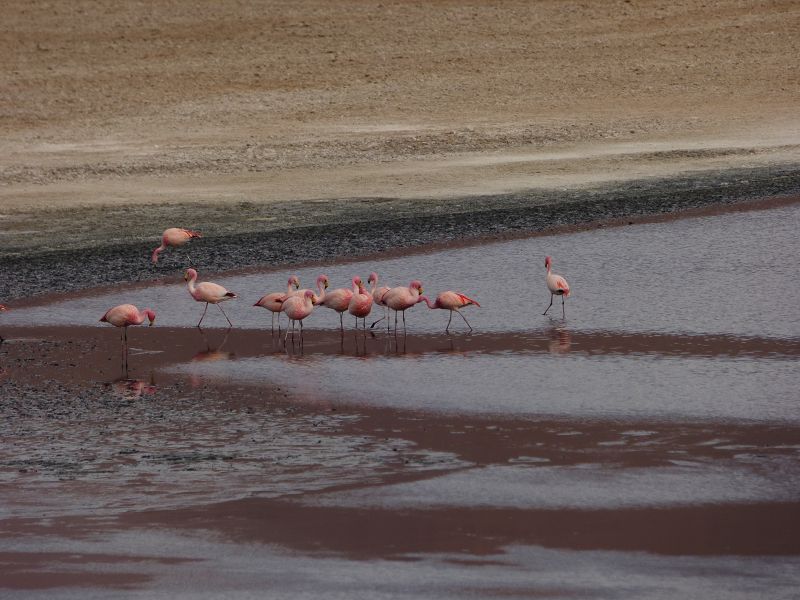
<point>377,296</point>
<point>557,285</point>
<point>400,299</point>
<point>452,301</point>
<point>274,302</point>
<point>298,308</point>
<point>361,302</point>
<point>338,300</point>
<point>124,316</point>
<point>174,236</point>
<point>208,292</point>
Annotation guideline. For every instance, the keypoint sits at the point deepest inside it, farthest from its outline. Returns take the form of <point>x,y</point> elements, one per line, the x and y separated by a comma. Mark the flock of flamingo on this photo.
<point>298,304</point>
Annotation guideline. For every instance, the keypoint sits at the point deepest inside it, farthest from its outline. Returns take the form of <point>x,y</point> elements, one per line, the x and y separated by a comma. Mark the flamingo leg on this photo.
<point>204,315</point>
<point>404,320</point>
<point>465,319</point>
<point>291,322</point>
<point>341,321</point>
<point>446,329</point>
<point>551,304</point>
<point>376,322</point>
<point>226,316</point>
<point>563,310</point>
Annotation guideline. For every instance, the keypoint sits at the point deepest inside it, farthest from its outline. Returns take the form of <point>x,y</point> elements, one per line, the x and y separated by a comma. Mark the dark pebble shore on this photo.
<point>248,235</point>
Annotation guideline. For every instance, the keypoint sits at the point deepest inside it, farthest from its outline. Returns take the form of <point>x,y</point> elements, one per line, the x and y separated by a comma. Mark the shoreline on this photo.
<point>357,228</point>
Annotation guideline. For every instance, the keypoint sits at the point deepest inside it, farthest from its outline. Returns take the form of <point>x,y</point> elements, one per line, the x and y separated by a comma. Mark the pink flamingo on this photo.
<point>452,301</point>
<point>361,302</point>
<point>377,296</point>
<point>338,300</point>
<point>298,308</point>
<point>557,285</point>
<point>400,299</point>
<point>124,316</point>
<point>208,292</point>
<point>274,302</point>
<point>174,236</point>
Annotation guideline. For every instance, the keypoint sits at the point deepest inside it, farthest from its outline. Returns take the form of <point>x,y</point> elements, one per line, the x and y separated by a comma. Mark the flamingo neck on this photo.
<point>157,251</point>
<point>321,296</point>
<point>427,301</point>
<point>374,286</point>
<point>142,315</point>
<point>192,279</point>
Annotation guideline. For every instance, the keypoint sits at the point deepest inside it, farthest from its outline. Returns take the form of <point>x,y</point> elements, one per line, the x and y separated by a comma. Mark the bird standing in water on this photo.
<point>400,299</point>
<point>174,236</point>
<point>208,292</point>
<point>361,302</point>
<point>452,301</point>
<point>557,285</point>
<point>298,308</point>
<point>377,295</point>
<point>124,316</point>
<point>274,302</point>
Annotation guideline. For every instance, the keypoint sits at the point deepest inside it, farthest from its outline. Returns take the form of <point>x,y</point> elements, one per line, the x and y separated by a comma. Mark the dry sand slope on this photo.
<point>108,103</point>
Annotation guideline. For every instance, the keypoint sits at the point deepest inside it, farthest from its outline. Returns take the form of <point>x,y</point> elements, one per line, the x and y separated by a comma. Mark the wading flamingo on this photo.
<point>452,301</point>
<point>274,302</point>
<point>338,300</point>
<point>298,308</point>
<point>377,295</point>
<point>400,299</point>
<point>361,302</point>
<point>208,292</point>
<point>174,236</point>
<point>124,316</point>
<point>557,285</point>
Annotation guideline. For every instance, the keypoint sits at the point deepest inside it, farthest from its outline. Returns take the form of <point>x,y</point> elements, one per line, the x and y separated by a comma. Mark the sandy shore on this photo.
<point>217,110</point>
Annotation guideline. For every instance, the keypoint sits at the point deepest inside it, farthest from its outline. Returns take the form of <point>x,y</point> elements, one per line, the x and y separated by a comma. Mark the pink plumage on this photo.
<point>339,299</point>
<point>453,302</point>
<point>557,286</point>
<point>400,299</point>
<point>274,302</point>
<point>210,293</point>
<point>298,308</point>
<point>361,303</point>
<point>377,296</point>
<point>126,315</point>
<point>174,236</point>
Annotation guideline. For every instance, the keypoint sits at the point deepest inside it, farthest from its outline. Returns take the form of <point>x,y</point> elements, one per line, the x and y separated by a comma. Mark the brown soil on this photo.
<point>102,102</point>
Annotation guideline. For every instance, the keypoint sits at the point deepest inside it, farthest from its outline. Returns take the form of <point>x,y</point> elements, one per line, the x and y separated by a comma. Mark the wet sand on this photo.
<point>372,463</point>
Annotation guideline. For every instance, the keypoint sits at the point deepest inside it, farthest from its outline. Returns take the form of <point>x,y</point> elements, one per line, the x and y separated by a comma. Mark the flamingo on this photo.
<point>452,301</point>
<point>361,302</point>
<point>557,285</point>
<point>124,316</point>
<point>274,302</point>
<point>208,292</point>
<point>377,295</point>
<point>174,236</point>
<point>338,300</point>
<point>401,299</point>
<point>298,308</point>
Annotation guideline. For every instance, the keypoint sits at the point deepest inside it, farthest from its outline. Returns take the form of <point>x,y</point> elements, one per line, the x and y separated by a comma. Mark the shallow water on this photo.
<point>647,443</point>
<point>737,274</point>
